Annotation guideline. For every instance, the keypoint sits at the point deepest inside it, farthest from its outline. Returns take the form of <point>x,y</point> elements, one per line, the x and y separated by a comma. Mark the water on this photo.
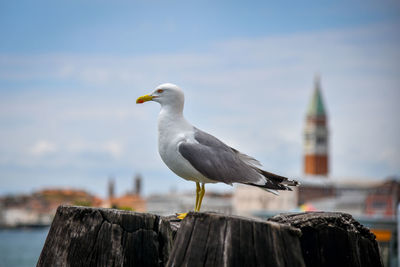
<point>21,247</point>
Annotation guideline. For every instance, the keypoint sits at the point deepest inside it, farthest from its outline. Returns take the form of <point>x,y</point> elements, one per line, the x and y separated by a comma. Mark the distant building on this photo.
<point>383,200</point>
<point>56,197</point>
<point>132,200</point>
<point>111,188</point>
<point>137,185</point>
<point>249,199</point>
<point>342,195</point>
<point>39,208</point>
<point>313,188</point>
<point>315,184</point>
<point>316,161</point>
<point>168,204</point>
<point>23,217</point>
<point>129,201</point>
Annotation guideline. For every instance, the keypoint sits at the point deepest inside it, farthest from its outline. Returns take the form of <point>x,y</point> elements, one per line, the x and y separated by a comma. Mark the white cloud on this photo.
<point>115,148</point>
<point>43,147</point>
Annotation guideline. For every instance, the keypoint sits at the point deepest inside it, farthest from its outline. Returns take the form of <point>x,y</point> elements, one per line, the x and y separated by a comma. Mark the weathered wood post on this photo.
<point>333,239</point>
<point>207,239</point>
<point>82,236</point>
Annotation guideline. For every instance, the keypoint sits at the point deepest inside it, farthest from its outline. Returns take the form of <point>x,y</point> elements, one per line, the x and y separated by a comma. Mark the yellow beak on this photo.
<point>143,99</point>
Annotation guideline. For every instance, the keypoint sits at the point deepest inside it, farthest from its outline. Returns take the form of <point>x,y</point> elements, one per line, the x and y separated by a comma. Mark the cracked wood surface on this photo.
<point>210,239</point>
<point>333,239</point>
<point>81,236</point>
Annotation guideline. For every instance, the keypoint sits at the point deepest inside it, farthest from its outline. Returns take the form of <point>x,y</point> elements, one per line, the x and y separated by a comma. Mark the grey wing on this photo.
<point>217,161</point>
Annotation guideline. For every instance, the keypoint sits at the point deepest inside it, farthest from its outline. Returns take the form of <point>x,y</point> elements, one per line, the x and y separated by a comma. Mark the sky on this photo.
<point>70,72</point>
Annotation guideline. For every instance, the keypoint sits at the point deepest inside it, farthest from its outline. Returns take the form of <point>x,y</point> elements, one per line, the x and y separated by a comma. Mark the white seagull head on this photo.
<point>167,94</point>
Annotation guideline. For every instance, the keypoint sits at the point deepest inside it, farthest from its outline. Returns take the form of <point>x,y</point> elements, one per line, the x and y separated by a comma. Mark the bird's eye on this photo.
<point>160,91</point>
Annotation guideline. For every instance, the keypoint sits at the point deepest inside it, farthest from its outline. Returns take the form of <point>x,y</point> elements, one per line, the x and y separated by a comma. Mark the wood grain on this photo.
<point>81,236</point>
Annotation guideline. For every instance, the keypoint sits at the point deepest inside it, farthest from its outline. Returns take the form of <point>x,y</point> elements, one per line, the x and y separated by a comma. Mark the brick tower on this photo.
<point>316,135</point>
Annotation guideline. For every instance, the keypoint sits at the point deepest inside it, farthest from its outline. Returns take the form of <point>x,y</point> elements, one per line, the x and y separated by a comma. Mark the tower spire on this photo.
<point>316,134</point>
<point>316,106</point>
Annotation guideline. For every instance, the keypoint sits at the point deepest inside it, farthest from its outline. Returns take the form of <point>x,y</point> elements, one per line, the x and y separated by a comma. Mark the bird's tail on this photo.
<point>274,182</point>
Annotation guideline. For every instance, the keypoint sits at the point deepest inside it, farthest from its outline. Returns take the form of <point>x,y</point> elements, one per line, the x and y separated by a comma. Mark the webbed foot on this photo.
<point>181,216</point>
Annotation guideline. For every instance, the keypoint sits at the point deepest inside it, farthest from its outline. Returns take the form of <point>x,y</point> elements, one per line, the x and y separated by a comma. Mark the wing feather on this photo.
<point>219,162</point>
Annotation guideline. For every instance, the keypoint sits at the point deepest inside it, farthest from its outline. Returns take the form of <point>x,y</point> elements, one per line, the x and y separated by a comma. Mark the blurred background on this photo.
<point>311,89</point>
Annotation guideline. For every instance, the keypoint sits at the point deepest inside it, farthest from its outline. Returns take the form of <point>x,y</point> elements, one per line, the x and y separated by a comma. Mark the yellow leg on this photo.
<point>202,192</point>
<point>198,189</point>
<point>197,206</point>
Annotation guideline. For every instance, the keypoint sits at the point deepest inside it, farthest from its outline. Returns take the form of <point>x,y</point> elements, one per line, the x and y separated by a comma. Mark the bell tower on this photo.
<point>316,135</point>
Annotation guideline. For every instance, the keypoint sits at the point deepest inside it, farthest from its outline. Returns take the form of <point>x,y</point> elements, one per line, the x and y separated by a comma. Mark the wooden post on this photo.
<point>81,236</point>
<point>333,239</point>
<point>209,239</point>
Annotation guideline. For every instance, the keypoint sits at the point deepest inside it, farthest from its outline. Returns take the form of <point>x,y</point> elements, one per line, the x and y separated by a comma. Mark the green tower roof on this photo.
<point>316,106</point>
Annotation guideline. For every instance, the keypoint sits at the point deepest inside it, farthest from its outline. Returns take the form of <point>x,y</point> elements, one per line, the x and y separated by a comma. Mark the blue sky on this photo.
<point>70,72</point>
<point>135,27</point>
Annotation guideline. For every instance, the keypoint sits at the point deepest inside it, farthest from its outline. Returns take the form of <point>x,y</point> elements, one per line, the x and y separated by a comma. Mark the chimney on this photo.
<point>137,188</point>
<point>111,188</point>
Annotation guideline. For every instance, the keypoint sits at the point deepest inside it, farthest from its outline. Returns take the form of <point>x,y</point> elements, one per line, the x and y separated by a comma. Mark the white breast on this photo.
<point>171,132</point>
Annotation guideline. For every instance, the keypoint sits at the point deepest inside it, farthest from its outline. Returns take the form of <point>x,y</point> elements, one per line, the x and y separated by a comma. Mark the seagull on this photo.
<point>200,157</point>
